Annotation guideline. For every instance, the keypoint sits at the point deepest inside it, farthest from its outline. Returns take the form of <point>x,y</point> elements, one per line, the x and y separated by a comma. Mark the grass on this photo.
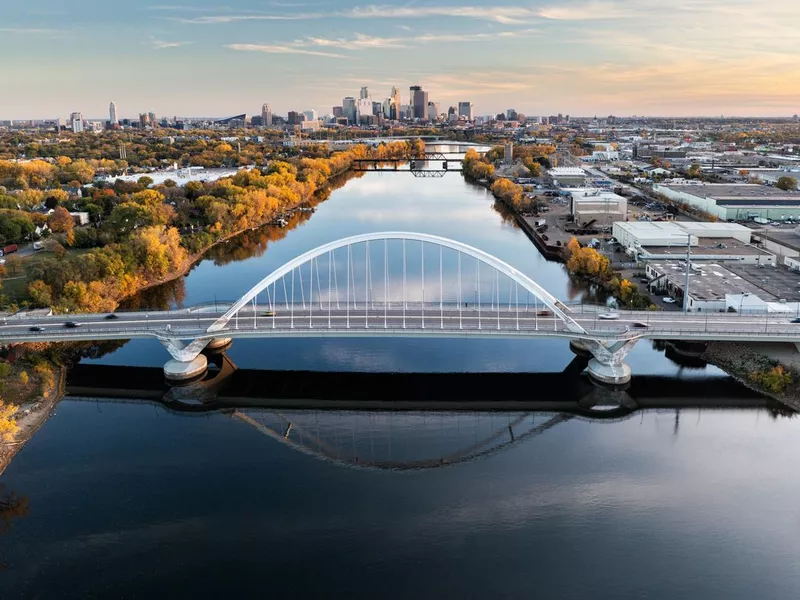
<point>16,288</point>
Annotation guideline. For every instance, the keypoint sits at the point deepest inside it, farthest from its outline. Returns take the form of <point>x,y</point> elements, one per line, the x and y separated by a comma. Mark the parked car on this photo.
<point>668,300</point>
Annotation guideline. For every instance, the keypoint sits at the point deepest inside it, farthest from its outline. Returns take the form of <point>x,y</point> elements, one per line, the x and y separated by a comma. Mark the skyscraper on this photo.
<point>112,113</point>
<point>433,111</point>
<point>311,115</point>
<point>364,93</point>
<point>395,96</point>
<point>76,121</point>
<point>349,108</point>
<point>266,115</point>
<point>465,109</point>
<point>419,102</point>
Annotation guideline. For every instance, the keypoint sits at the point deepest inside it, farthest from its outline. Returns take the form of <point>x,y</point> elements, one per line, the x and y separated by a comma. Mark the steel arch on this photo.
<point>523,280</point>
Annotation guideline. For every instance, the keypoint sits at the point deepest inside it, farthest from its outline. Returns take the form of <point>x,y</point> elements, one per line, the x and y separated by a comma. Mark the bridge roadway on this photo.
<point>185,333</point>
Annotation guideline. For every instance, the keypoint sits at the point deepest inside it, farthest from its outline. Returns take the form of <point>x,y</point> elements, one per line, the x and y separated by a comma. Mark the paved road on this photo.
<point>394,321</point>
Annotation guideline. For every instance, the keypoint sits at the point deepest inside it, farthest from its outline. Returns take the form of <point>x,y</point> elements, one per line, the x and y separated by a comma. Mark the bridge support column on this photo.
<point>608,365</point>
<point>187,362</point>
<point>581,348</point>
<point>176,370</point>
<point>219,343</point>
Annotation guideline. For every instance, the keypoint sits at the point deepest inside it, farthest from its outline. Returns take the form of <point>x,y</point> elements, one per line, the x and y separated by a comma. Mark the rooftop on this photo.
<point>566,171</point>
<point>709,247</point>
<point>734,191</point>
<point>711,281</point>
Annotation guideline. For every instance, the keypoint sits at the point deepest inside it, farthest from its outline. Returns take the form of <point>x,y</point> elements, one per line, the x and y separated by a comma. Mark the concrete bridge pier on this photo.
<point>187,361</point>
<point>219,344</point>
<point>178,371</point>
<point>607,365</point>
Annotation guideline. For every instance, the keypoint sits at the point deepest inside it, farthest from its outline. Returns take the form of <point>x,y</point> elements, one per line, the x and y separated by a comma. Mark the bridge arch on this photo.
<point>551,302</point>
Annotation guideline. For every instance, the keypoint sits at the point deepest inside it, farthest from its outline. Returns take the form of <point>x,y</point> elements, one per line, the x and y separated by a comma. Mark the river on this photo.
<point>689,492</point>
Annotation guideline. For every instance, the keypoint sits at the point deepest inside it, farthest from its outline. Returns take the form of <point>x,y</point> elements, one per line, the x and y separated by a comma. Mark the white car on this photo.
<point>608,316</point>
<point>668,300</point>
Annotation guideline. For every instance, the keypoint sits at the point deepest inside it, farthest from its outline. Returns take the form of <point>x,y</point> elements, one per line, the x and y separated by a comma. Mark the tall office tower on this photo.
<point>112,113</point>
<point>452,114</point>
<point>398,102</point>
<point>511,115</point>
<point>349,108</point>
<point>266,115</point>
<point>153,120</point>
<point>338,112</point>
<point>466,110</point>
<point>419,102</point>
<point>364,93</point>
<point>433,111</point>
<point>364,108</point>
<point>144,120</point>
<point>389,109</point>
<point>311,115</point>
<point>76,120</point>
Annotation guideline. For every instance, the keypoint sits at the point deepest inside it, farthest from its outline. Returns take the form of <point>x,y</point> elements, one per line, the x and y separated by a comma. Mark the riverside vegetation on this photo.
<point>138,236</point>
<point>141,235</point>
<point>582,262</point>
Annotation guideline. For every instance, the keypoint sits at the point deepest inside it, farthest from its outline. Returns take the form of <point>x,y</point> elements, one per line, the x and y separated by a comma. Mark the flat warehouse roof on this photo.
<point>710,282</point>
<point>732,191</point>
<point>710,246</point>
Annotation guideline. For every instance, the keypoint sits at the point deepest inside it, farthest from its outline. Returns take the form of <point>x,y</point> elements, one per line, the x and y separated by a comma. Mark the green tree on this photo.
<point>786,183</point>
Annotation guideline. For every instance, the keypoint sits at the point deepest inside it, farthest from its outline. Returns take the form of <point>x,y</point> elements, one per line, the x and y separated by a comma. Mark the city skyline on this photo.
<point>688,58</point>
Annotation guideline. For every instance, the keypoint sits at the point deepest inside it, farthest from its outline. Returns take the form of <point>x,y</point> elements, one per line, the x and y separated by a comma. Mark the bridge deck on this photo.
<point>395,321</point>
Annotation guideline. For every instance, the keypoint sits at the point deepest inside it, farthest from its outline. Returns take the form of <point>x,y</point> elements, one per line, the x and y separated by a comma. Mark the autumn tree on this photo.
<point>8,424</point>
<point>62,222</point>
<point>14,266</point>
<point>40,293</point>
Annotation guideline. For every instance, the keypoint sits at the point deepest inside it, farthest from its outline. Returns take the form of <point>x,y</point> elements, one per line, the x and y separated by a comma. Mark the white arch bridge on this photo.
<point>399,284</point>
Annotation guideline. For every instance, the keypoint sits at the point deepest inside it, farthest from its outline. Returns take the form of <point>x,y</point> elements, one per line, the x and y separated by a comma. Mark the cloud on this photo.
<point>507,15</point>
<point>367,42</point>
<point>30,31</point>
<point>163,45</point>
<point>276,49</point>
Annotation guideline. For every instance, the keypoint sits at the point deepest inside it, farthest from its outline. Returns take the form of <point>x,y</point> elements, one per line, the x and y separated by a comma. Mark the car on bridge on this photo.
<point>608,316</point>
<point>639,325</point>
<point>71,324</point>
<point>36,328</point>
<point>795,320</point>
<point>112,316</point>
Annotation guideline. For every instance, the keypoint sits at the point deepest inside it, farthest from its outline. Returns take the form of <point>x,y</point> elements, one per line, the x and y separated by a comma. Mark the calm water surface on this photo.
<point>131,499</point>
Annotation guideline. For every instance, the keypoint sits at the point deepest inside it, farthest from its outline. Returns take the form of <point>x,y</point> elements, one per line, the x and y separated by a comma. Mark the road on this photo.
<point>393,321</point>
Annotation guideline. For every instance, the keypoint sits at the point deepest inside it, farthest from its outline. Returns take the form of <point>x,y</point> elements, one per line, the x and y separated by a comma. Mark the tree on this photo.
<point>694,171</point>
<point>8,425</point>
<point>40,293</point>
<point>145,181</point>
<point>786,183</point>
<point>14,266</point>
<point>61,222</point>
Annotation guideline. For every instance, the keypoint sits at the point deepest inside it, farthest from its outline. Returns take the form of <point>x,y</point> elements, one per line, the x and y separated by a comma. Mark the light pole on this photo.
<point>688,262</point>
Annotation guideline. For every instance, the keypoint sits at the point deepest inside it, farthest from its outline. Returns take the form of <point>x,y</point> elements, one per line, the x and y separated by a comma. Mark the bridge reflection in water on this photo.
<point>402,422</point>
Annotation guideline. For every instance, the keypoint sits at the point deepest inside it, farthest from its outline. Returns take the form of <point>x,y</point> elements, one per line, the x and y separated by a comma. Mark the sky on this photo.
<point>541,57</point>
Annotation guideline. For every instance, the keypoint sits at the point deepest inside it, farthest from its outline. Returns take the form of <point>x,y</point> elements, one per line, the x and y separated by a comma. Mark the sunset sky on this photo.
<point>225,57</point>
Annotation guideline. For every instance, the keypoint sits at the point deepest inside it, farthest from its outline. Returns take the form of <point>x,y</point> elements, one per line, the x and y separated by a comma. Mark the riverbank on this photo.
<point>33,412</point>
<point>745,362</point>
